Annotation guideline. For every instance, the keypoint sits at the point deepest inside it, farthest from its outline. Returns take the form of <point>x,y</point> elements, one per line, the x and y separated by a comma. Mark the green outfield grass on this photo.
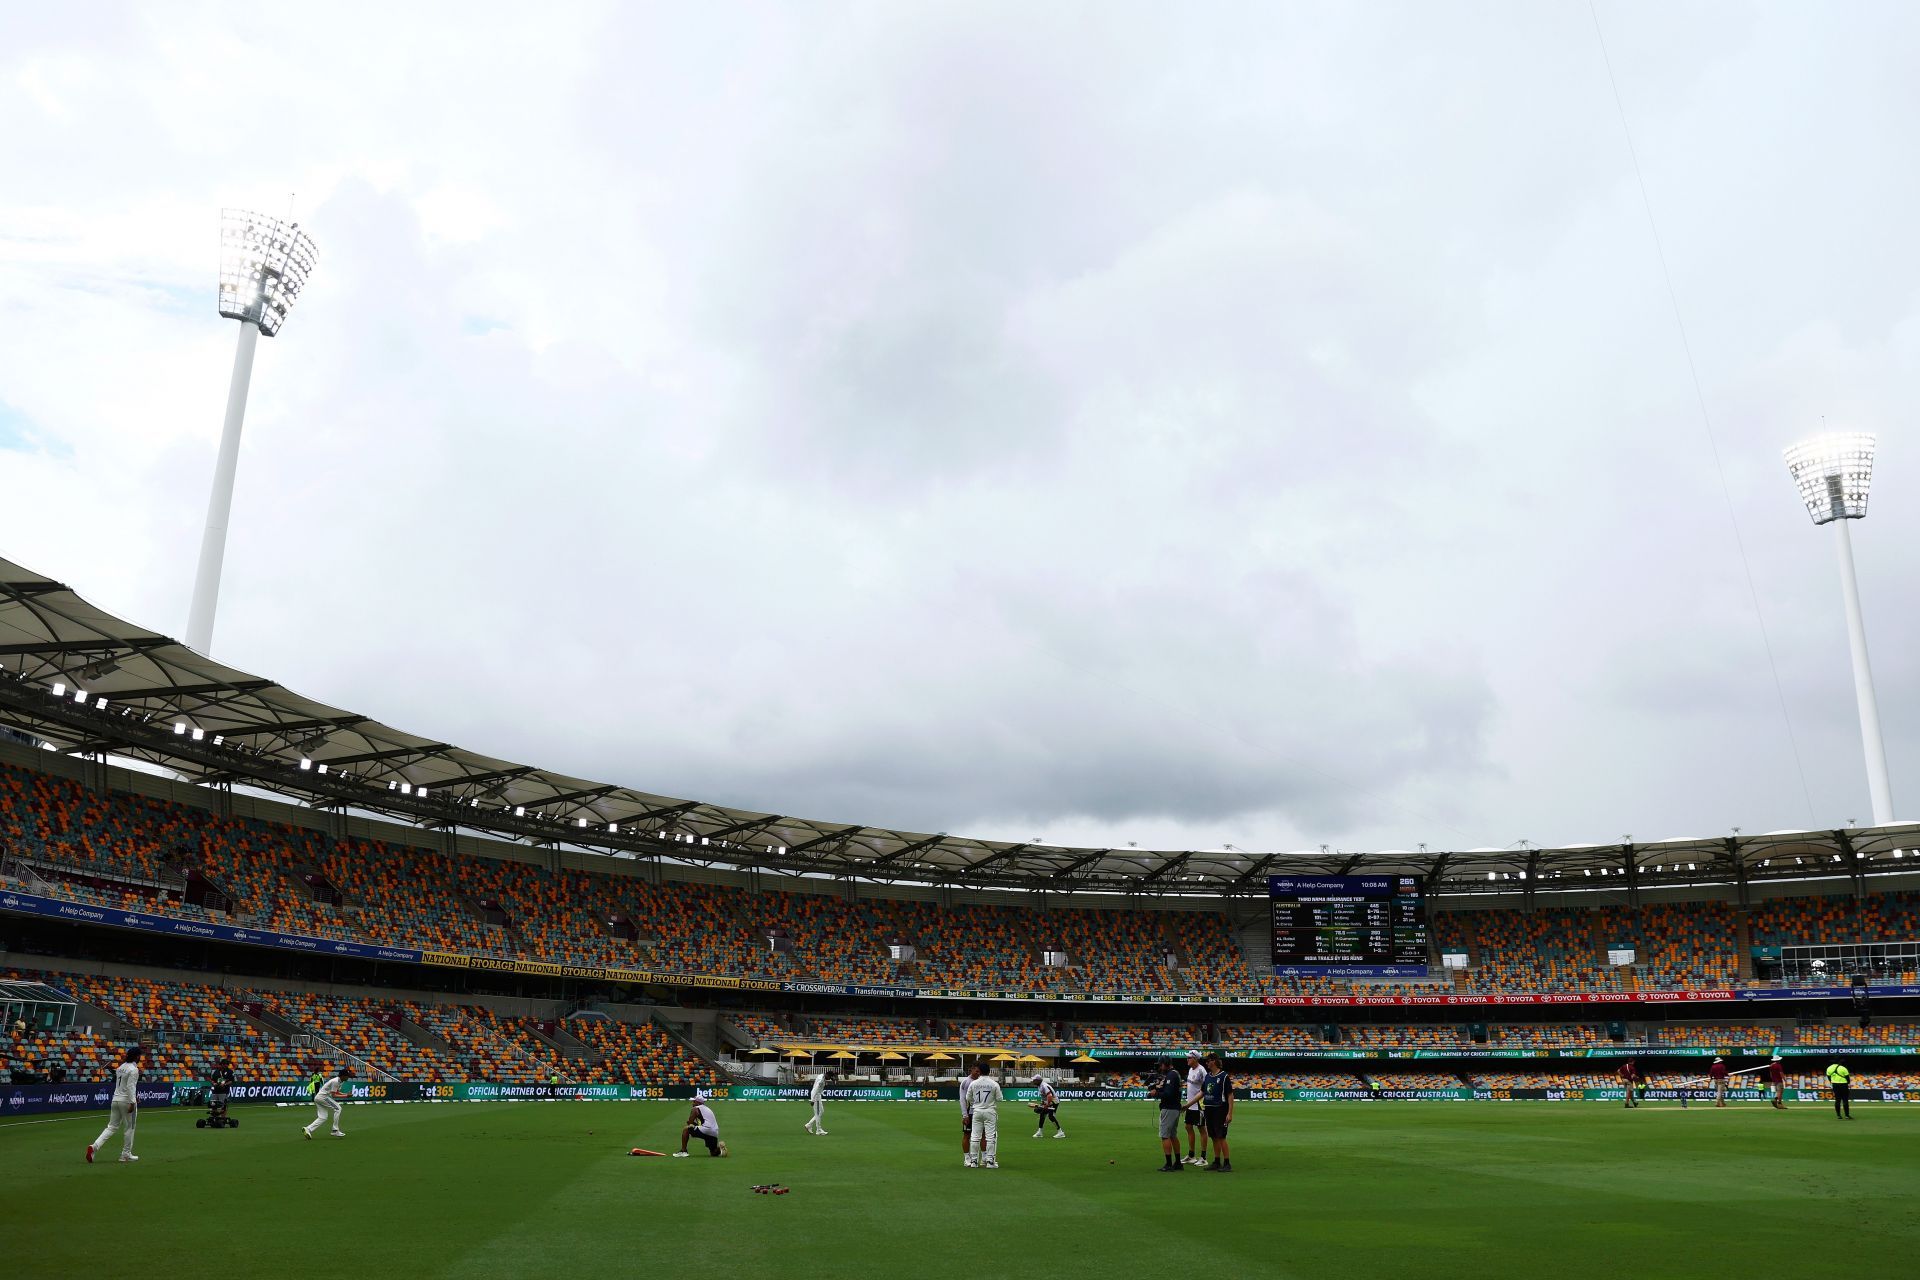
<point>1321,1190</point>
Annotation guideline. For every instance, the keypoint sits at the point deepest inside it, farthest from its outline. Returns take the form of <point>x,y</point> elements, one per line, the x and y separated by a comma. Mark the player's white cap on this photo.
<point>1193,1053</point>
<point>1716,1057</point>
<point>699,1096</point>
<point>1775,1058</point>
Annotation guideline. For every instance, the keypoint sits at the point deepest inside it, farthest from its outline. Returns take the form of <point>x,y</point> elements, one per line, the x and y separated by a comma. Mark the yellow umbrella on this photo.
<point>762,1049</point>
<point>891,1056</point>
<point>798,1053</point>
<point>1004,1057</point>
<point>1084,1058</point>
<point>842,1054</point>
<point>1027,1057</point>
<point>939,1057</point>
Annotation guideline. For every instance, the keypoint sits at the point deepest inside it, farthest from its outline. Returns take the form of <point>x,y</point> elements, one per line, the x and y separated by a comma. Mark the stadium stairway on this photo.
<point>426,1038</point>
<point>311,1043</point>
<point>678,1033</point>
<point>554,1034</point>
<point>732,1037</point>
<point>104,1021</point>
<point>257,1014</point>
<point>1254,937</point>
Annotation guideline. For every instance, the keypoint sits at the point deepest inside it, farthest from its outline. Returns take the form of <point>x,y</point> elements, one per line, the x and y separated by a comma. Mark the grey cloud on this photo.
<point>1087,422</point>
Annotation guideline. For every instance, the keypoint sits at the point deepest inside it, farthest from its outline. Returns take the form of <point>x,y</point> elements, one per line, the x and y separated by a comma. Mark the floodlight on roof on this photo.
<point>519,811</point>
<point>1833,474</point>
<point>59,688</point>
<point>199,734</point>
<point>305,763</point>
<point>264,264</point>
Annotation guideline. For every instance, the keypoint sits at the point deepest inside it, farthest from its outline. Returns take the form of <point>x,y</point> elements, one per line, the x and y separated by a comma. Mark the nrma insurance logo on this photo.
<point>16,1100</point>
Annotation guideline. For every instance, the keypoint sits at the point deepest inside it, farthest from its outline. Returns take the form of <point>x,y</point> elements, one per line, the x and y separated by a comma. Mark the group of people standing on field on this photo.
<point>1202,1094</point>
<point>1720,1077</point>
<point>980,1099</point>
<point>123,1107</point>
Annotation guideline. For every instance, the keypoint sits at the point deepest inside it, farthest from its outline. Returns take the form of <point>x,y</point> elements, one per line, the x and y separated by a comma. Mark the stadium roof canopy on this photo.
<point>88,683</point>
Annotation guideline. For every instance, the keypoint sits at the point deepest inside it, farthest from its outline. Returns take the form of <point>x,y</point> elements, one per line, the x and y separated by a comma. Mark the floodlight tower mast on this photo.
<point>264,263</point>
<point>1834,473</point>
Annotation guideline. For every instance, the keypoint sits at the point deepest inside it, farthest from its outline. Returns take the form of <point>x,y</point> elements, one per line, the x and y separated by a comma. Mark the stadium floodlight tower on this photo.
<point>1834,473</point>
<point>264,263</point>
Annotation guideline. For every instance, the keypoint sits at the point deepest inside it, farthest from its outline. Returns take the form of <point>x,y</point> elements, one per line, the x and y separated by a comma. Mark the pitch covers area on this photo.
<point>1320,1190</point>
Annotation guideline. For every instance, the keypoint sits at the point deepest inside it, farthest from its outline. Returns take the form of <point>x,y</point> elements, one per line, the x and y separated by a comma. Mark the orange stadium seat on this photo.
<point>1272,1036</point>
<point>864,1031</point>
<point>1298,1080</point>
<point>124,850</point>
<point>1416,1080</point>
<point>640,1054</point>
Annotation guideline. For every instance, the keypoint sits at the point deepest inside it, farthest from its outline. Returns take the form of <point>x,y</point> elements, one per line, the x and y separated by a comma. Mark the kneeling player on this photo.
<point>702,1125</point>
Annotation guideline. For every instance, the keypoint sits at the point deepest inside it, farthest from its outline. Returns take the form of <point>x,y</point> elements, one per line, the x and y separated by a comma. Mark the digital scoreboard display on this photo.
<point>1348,926</point>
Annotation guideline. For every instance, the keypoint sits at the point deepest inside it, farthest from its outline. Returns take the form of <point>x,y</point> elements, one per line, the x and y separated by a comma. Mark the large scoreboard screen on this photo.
<point>1348,926</point>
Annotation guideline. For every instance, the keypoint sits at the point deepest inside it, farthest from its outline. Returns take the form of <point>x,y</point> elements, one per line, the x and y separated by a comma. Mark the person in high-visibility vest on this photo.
<point>1842,1081</point>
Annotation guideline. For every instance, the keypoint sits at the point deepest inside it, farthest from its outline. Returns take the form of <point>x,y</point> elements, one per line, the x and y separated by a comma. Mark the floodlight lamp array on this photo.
<point>264,263</point>
<point>1833,474</point>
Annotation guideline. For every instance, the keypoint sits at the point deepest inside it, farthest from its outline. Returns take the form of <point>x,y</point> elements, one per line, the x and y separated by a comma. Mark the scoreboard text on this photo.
<point>1348,926</point>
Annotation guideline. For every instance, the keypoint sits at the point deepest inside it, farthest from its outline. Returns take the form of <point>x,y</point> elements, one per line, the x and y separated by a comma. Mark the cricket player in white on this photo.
<point>983,1099</point>
<point>124,1109</point>
<point>1196,1086</point>
<point>326,1103</point>
<point>819,1099</point>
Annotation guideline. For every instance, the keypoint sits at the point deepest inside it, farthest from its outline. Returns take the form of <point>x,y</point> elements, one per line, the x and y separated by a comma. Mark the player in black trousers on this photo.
<point>1842,1081</point>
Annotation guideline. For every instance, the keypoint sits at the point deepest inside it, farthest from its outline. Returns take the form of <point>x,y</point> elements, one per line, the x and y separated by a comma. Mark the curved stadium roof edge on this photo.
<point>126,690</point>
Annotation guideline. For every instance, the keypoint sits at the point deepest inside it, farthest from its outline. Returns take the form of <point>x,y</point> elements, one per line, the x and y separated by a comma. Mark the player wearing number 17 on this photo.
<point>983,1100</point>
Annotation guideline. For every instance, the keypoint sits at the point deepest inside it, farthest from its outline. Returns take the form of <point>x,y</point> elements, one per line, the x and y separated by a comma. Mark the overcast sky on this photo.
<point>1259,424</point>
